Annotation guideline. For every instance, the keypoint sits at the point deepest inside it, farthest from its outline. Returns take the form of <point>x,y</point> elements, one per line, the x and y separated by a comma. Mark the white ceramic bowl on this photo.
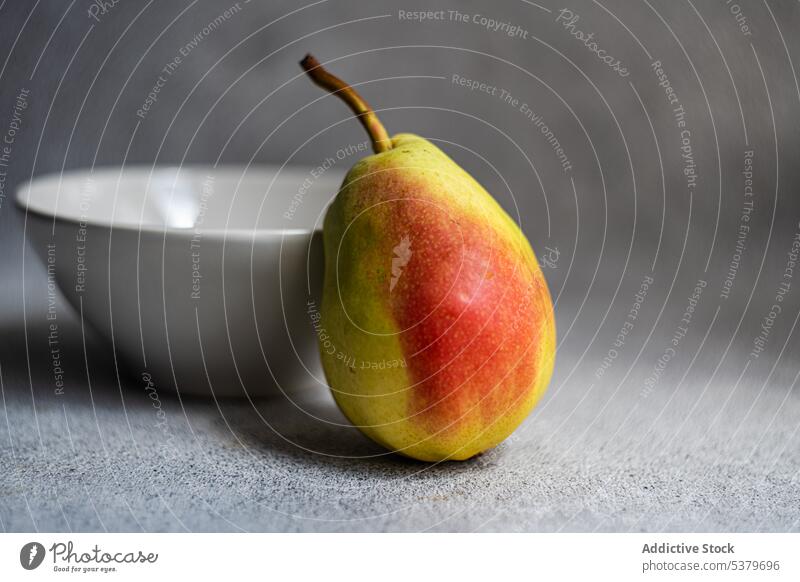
<point>205,279</point>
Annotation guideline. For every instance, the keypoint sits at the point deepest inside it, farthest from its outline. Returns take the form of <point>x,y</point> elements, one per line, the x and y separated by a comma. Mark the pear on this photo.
<point>438,327</point>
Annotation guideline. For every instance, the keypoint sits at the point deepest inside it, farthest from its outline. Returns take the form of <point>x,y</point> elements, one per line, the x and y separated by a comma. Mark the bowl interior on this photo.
<point>190,197</point>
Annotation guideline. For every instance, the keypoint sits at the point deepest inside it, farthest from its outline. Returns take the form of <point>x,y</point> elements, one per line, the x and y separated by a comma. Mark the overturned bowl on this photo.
<point>205,279</point>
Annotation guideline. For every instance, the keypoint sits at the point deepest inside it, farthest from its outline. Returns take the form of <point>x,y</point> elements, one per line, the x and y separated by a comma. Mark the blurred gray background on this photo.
<point>711,445</point>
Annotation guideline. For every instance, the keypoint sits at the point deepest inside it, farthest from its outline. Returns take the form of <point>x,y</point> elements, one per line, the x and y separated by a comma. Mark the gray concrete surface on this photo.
<point>709,443</point>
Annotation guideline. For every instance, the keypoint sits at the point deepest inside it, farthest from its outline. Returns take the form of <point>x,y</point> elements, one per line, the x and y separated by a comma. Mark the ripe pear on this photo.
<point>438,324</point>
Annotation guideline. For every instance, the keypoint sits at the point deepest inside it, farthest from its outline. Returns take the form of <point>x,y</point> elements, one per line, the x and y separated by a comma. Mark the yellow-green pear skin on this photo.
<point>440,333</point>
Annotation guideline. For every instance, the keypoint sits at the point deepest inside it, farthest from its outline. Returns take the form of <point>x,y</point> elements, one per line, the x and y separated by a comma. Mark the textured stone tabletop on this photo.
<point>709,454</point>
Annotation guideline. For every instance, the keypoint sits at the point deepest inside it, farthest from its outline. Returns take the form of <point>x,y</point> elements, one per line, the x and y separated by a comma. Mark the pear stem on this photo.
<point>367,117</point>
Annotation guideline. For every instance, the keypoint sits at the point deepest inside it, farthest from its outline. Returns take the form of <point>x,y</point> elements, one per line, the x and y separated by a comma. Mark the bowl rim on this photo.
<point>23,189</point>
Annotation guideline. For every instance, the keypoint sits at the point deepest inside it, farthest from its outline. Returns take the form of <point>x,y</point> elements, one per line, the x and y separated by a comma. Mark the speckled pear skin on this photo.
<point>439,324</point>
